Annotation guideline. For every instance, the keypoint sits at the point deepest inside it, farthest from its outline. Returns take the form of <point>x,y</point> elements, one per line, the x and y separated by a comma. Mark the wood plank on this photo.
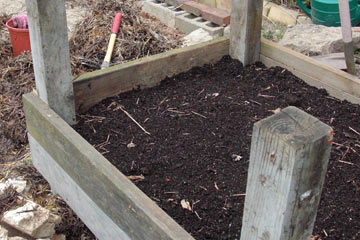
<point>76,198</point>
<point>245,35</point>
<point>51,56</point>
<point>327,75</point>
<point>339,94</point>
<point>288,162</point>
<point>129,208</point>
<point>147,72</point>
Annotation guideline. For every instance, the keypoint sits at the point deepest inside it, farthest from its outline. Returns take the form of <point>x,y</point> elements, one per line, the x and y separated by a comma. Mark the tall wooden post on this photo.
<point>245,25</point>
<point>51,57</point>
<point>288,161</point>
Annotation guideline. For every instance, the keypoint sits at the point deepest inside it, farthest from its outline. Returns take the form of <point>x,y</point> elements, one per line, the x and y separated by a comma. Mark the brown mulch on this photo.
<point>139,36</point>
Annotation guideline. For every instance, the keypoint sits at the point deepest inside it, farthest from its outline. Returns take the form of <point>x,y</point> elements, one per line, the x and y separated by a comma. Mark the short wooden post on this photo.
<point>288,161</point>
<point>51,56</point>
<point>245,25</point>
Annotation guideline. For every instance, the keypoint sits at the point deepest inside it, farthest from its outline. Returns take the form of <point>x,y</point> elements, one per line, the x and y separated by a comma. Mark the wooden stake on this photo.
<point>245,25</point>
<point>51,57</point>
<point>288,162</point>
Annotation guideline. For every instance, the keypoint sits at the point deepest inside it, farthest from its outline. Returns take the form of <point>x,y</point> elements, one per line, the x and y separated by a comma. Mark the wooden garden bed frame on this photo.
<point>107,202</point>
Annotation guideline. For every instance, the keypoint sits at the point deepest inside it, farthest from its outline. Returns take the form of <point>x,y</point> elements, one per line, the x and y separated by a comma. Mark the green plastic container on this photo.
<point>326,12</point>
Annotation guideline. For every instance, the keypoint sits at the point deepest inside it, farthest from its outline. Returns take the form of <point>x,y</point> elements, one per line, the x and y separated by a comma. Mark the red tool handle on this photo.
<point>116,23</point>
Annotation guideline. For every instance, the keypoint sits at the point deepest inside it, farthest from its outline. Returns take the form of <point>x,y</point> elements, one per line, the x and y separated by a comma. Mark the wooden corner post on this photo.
<point>288,162</point>
<point>51,56</point>
<point>245,34</point>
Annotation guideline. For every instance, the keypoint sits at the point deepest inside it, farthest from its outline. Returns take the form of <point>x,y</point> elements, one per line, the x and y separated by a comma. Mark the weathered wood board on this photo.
<point>288,163</point>
<point>108,195</point>
<point>93,87</point>
<point>338,83</point>
<point>245,36</point>
<point>147,72</point>
<point>51,55</point>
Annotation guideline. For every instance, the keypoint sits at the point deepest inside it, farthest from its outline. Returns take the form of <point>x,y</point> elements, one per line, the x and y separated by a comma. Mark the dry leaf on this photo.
<point>131,145</point>
<point>236,157</point>
<point>136,178</point>
<point>216,186</point>
<point>276,110</point>
<point>185,204</point>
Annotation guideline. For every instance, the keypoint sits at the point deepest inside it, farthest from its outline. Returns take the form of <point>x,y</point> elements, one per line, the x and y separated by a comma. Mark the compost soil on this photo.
<point>198,151</point>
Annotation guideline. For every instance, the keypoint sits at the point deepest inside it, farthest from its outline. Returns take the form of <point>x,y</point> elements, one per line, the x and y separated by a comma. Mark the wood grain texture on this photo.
<point>323,74</point>
<point>61,183</point>
<point>51,57</point>
<point>146,72</point>
<point>245,35</point>
<point>288,162</point>
<point>312,81</point>
<point>129,208</point>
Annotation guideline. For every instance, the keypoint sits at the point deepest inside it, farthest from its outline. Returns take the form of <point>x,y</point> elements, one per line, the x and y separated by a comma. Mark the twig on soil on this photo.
<point>354,130</point>
<point>199,114</point>
<point>128,114</point>
<point>238,195</point>
<point>197,215</point>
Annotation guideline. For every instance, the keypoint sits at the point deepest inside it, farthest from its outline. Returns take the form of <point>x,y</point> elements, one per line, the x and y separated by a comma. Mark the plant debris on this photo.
<point>139,36</point>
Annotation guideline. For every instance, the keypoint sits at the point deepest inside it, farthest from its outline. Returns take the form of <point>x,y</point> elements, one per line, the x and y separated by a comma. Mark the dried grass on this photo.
<point>139,36</point>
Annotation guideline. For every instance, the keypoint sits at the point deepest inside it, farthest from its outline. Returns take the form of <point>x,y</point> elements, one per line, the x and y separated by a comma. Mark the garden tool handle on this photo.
<point>114,31</point>
<point>116,23</point>
<point>347,35</point>
<point>304,8</point>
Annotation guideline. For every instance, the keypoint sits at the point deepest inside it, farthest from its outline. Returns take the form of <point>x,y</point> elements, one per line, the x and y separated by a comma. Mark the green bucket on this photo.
<point>326,12</point>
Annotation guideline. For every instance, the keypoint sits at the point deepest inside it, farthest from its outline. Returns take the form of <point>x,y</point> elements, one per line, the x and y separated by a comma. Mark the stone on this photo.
<point>282,15</point>
<point>227,30</point>
<point>188,22</point>
<point>197,36</point>
<point>3,233</point>
<point>312,40</point>
<point>17,183</point>
<point>211,3</point>
<point>33,220</point>
<point>194,7</point>
<point>217,16</point>
<point>17,238</point>
<point>166,14</point>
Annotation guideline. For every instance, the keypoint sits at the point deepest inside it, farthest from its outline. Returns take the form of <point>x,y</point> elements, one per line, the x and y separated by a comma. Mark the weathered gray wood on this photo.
<point>327,75</point>
<point>288,162</point>
<point>147,72</point>
<point>50,52</point>
<point>245,35</point>
<point>312,81</point>
<point>61,183</point>
<point>117,197</point>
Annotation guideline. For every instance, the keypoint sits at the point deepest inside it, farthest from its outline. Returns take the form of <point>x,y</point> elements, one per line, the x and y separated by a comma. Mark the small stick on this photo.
<point>128,114</point>
<point>238,195</point>
<point>198,114</point>
<point>354,130</point>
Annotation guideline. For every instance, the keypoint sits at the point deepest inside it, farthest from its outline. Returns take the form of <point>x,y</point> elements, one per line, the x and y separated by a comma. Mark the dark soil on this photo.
<point>200,123</point>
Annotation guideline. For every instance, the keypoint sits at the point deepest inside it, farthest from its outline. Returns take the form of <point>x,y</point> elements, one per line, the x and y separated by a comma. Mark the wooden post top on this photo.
<point>295,127</point>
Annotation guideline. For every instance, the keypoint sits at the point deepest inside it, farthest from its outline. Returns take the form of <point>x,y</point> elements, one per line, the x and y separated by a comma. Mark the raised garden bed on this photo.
<point>201,125</point>
<point>106,199</point>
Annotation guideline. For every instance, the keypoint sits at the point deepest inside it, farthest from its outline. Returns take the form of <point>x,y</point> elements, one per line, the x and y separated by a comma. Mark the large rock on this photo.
<point>197,36</point>
<point>3,233</point>
<point>311,39</point>
<point>33,220</point>
<point>17,183</point>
